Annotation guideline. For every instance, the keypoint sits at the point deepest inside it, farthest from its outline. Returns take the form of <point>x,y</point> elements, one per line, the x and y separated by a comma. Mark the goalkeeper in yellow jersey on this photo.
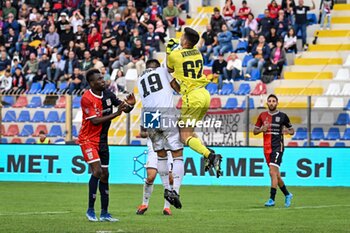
<point>185,62</point>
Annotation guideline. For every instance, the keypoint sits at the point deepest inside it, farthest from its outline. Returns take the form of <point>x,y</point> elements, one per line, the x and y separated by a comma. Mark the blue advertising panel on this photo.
<point>241,165</point>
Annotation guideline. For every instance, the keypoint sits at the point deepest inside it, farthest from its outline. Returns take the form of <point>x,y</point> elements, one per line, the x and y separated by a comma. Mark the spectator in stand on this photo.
<point>86,10</point>
<point>281,24</point>
<point>5,63</point>
<point>300,13</point>
<point>278,57</point>
<point>233,69</point>
<point>266,24</point>
<point>252,40</point>
<point>121,35</point>
<point>52,38</point>
<point>71,5</point>
<point>11,22</point>
<point>86,64</point>
<point>75,82</point>
<point>70,65</point>
<point>207,43</point>
<point>43,66</point>
<point>76,20</point>
<point>229,13</point>
<point>154,10</point>
<point>42,49</point>
<point>250,25</point>
<point>225,41</point>
<point>290,41</point>
<point>287,7</point>
<point>102,8</point>
<point>112,52</point>
<point>114,10</point>
<point>273,8</point>
<point>138,58</point>
<point>97,63</point>
<point>151,41</point>
<point>242,14</point>
<point>218,69</point>
<point>94,36</point>
<point>66,36</point>
<point>80,36</point>
<point>129,10</point>
<point>15,65</point>
<point>171,14</point>
<point>97,51</point>
<point>9,9</point>
<point>37,33</point>
<point>131,23</point>
<point>23,13</point>
<point>326,8</point>
<point>62,23</point>
<point>10,41</point>
<point>19,82</point>
<point>23,35</point>
<point>144,21</point>
<point>5,82</point>
<point>123,56</point>
<point>261,53</point>
<point>271,40</point>
<point>46,10</point>
<point>135,36</point>
<point>57,68</point>
<point>217,21</point>
<point>30,68</point>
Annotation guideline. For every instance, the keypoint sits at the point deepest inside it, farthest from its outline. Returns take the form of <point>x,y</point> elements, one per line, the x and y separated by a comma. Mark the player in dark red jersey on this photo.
<point>273,124</point>
<point>97,106</point>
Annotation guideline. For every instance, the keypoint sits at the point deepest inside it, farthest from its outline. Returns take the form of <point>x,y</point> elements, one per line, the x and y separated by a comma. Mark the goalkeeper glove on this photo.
<point>173,43</point>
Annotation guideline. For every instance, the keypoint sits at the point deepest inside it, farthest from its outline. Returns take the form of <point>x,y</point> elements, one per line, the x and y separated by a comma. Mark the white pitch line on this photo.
<point>299,207</point>
<point>34,213</point>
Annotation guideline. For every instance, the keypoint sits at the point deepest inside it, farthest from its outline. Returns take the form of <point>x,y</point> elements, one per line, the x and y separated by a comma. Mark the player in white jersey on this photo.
<point>152,169</point>
<point>156,88</point>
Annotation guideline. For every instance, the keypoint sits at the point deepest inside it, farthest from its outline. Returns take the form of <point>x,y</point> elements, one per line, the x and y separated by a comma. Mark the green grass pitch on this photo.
<point>56,207</point>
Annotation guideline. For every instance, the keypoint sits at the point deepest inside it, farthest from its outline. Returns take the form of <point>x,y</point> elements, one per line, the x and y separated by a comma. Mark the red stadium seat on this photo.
<point>2,130</point>
<point>61,102</point>
<point>215,103</point>
<point>16,140</point>
<point>293,144</point>
<point>179,104</point>
<point>13,130</point>
<point>324,144</point>
<point>40,128</point>
<point>206,72</point>
<point>260,89</point>
<point>21,102</point>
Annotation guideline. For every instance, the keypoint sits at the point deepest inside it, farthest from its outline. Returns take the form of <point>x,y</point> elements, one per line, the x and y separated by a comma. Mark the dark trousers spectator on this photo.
<point>206,51</point>
<point>302,28</point>
<point>231,74</point>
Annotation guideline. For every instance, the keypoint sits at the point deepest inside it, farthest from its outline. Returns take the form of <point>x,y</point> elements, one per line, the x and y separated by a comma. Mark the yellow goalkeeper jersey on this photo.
<point>188,69</point>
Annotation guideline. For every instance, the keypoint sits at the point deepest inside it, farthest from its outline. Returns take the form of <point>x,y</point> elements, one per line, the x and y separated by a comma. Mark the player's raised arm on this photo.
<point>130,101</point>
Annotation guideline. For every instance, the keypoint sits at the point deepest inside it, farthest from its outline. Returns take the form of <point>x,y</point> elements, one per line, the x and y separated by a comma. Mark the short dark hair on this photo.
<point>152,63</point>
<point>192,36</point>
<point>272,96</point>
<point>90,73</point>
<point>42,132</point>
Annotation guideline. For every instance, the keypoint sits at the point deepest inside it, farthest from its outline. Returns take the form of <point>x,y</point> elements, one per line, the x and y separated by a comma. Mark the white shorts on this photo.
<point>152,159</point>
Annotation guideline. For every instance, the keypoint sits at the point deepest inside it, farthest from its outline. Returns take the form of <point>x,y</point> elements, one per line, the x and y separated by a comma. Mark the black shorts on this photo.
<point>104,155</point>
<point>276,158</point>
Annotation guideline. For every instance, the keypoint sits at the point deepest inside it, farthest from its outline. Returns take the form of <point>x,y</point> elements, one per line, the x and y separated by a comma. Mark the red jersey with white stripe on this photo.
<point>273,137</point>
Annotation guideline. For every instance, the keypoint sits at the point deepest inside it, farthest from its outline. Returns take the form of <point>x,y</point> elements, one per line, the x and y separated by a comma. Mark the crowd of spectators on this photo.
<point>57,41</point>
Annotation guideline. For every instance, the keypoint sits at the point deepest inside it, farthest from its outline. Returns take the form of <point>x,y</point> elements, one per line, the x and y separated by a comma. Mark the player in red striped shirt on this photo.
<point>273,124</point>
<point>97,105</point>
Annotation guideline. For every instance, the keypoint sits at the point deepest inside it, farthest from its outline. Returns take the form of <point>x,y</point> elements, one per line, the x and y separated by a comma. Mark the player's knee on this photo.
<point>97,173</point>
<point>104,176</point>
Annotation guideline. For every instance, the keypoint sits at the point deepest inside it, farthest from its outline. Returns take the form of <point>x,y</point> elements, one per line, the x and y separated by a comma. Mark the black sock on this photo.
<point>104,190</point>
<point>273,193</point>
<point>92,191</point>
<point>284,190</point>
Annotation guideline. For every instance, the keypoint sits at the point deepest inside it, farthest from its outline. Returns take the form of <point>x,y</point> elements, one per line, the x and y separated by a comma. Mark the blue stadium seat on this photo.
<point>343,119</point>
<point>311,144</point>
<point>242,46</point>
<point>50,88</point>
<point>347,107</point>
<point>35,102</point>
<point>251,104</point>
<point>8,101</point>
<point>26,131</point>
<point>55,131</point>
<point>4,140</point>
<point>212,88</point>
<point>246,59</point>
<point>231,103</point>
<point>60,141</point>
<point>300,134</point>
<point>76,102</point>
<point>311,19</point>
<point>317,134</point>
<point>63,86</point>
<point>333,134</point>
<point>346,135</point>
<point>255,75</point>
<point>39,116</point>
<point>227,89</point>
<point>243,89</point>
<point>63,117</point>
<point>135,143</point>
<point>10,116</point>
<point>74,131</point>
<point>260,16</point>
<point>23,116</point>
<point>52,117</point>
<point>339,144</point>
<point>30,141</point>
<point>35,88</point>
